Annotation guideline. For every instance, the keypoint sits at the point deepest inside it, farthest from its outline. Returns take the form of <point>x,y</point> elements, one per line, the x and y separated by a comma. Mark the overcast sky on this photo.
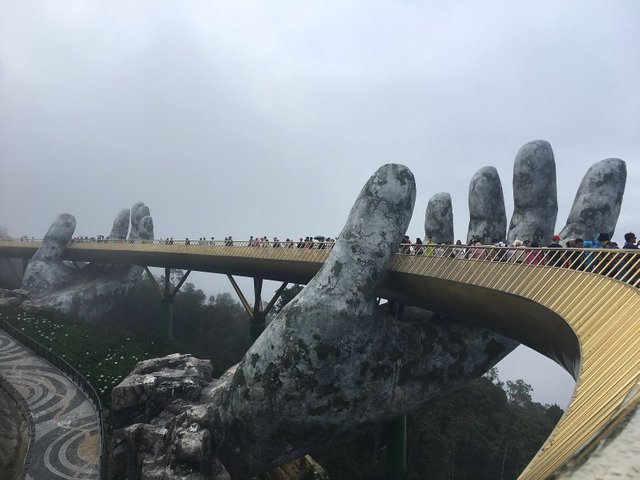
<point>266,118</point>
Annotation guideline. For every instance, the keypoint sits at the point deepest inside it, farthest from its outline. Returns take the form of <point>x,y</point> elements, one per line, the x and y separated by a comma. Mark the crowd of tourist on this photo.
<point>519,251</point>
<point>317,242</point>
<point>527,252</point>
<point>530,253</point>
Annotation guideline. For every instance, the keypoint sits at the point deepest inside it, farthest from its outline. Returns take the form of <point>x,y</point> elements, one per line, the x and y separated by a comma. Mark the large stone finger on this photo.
<point>438,219</point>
<point>487,217</point>
<point>597,204</point>
<point>372,234</point>
<point>120,227</point>
<point>534,194</point>
<point>45,269</point>
<point>138,212</point>
<point>57,238</point>
<point>145,228</point>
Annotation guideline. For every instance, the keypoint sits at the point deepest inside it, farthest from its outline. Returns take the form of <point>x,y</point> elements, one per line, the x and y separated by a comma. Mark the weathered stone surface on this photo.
<point>14,435</point>
<point>598,201</point>
<point>90,292</point>
<point>12,298</point>
<point>612,454</point>
<point>120,225</point>
<point>164,379</point>
<point>303,468</point>
<point>45,270</point>
<point>534,194</point>
<point>178,439</point>
<point>192,444</point>
<point>487,217</point>
<point>187,363</point>
<point>141,222</point>
<point>438,219</point>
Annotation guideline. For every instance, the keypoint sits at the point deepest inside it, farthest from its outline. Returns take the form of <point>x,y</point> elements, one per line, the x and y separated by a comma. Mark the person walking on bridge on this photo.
<point>630,241</point>
<point>555,259</point>
<point>429,247</point>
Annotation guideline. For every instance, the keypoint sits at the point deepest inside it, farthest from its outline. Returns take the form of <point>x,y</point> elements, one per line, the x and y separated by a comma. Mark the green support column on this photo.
<point>257,314</point>
<point>166,297</point>
<point>259,317</point>
<point>167,317</point>
<point>257,324</point>
<point>397,453</point>
<point>167,306</point>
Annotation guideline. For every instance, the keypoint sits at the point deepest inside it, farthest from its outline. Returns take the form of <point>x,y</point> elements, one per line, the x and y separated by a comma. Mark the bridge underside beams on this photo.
<point>512,316</point>
<point>245,266</point>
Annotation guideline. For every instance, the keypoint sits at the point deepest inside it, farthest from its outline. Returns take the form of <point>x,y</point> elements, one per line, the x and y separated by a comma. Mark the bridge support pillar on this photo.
<point>167,317</point>
<point>397,453</point>
<point>257,314</point>
<point>166,297</point>
<point>259,317</point>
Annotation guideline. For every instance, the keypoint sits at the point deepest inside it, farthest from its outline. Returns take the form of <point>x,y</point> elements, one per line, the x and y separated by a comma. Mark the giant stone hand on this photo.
<point>595,209</point>
<point>331,363</point>
<point>89,292</point>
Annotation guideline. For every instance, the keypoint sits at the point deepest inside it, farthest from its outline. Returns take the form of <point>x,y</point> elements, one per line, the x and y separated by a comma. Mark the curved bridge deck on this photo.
<point>586,318</point>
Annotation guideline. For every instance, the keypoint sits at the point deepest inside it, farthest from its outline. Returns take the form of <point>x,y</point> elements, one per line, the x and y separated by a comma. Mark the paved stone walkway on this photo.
<point>67,436</point>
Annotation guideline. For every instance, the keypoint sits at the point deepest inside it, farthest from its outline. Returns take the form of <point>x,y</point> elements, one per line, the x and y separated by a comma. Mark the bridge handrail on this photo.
<point>620,264</point>
<point>74,375</point>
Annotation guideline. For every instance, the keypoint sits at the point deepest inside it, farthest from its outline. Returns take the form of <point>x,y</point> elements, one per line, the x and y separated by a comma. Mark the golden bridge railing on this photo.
<point>621,264</point>
<point>581,307</point>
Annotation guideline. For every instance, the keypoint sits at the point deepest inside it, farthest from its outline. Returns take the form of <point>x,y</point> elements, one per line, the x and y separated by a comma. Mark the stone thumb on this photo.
<point>372,234</point>
<point>138,212</point>
<point>120,225</point>
<point>145,228</point>
<point>57,238</point>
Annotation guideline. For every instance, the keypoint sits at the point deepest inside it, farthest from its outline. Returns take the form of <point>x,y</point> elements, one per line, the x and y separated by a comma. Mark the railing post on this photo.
<point>397,450</point>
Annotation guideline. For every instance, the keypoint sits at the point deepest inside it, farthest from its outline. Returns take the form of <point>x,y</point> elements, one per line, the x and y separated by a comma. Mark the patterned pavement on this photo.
<point>67,436</point>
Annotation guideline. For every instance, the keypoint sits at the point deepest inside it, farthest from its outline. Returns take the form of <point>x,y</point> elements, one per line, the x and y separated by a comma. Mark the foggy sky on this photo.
<point>266,118</point>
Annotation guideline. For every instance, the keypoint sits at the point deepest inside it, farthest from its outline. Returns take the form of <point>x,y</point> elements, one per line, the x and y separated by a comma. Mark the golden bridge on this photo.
<point>578,307</point>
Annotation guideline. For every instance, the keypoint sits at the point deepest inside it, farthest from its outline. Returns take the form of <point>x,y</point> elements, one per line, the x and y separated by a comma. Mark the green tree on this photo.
<point>519,393</point>
<point>216,328</point>
<point>485,430</point>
